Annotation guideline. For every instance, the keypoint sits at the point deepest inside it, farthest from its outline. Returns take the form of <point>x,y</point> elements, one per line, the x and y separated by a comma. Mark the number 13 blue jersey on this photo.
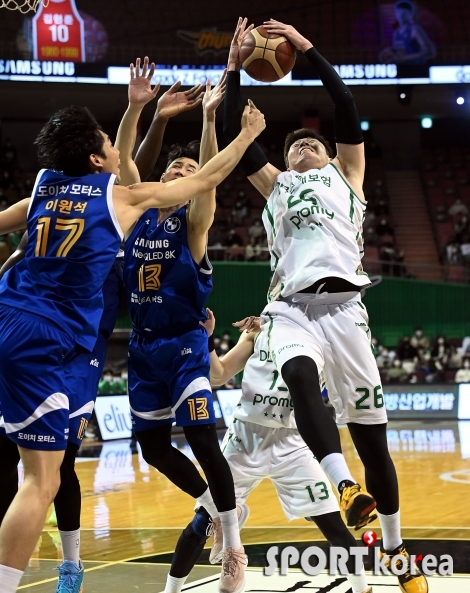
<point>73,239</point>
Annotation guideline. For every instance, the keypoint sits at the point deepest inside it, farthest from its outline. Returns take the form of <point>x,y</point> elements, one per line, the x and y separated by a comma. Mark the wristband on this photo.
<point>211,344</point>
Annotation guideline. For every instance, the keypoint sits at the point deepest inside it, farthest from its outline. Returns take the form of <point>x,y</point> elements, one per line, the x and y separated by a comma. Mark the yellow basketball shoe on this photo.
<point>408,583</point>
<point>357,505</point>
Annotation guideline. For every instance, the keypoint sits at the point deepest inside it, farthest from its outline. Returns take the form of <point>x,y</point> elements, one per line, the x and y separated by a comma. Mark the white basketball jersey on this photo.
<point>265,399</point>
<point>314,225</point>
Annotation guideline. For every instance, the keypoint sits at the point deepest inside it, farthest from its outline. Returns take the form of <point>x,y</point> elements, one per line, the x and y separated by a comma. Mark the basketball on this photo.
<point>265,56</point>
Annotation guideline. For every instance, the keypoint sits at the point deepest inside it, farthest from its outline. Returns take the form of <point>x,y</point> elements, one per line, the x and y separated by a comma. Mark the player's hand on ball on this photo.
<point>174,102</point>
<point>298,40</point>
<point>252,120</point>
<point>241,31</point>
<point>249,324</point>
<point>140,86</point>
<point>213,97</point>
<point>209,324</point>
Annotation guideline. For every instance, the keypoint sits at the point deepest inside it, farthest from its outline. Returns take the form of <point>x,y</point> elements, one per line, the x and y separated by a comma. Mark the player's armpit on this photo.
<point>351,161</point>
<point>15,217</point>
<point>234,361</point>
<point>264,179</point>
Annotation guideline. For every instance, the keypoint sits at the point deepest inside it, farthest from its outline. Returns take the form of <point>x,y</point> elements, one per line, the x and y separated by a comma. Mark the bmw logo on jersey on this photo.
<point>172,224</point>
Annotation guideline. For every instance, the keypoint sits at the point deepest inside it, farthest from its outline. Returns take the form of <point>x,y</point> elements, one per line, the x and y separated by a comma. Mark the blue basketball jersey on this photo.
<point>73,239</point>
<point>166,289</point>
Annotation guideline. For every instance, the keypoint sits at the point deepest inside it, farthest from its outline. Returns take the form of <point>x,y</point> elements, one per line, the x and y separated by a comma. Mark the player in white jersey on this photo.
<point>315,321</point>
<point>263,442</point>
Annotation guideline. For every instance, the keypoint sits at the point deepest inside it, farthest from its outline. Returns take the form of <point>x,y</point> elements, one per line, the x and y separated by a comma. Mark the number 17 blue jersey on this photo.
<point>73,239</point>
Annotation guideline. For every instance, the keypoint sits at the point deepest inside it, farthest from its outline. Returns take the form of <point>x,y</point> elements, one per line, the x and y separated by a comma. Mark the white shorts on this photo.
<point>337,338</point>
<point>255,452</point>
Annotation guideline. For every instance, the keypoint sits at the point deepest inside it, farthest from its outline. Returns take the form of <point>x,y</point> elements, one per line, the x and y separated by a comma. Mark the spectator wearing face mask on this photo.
<point>397,374</point>
<point>463,374</point>
<point>383,360</point>
<point>440,349</point>
<point>418,339</point>
<point>454,360</point>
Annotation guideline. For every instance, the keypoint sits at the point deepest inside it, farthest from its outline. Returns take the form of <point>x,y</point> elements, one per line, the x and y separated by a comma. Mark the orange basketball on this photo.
<point>266,57</point>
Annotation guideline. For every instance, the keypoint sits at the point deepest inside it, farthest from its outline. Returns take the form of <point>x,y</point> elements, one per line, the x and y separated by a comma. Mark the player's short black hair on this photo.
<point>179,151</point>
<point>304,133</point>
<point>68,139</point>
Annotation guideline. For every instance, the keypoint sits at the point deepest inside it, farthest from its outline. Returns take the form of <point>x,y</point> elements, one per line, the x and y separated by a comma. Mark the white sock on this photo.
<point>9,579</point>
<point>71,545</point>
<point>358,582</point>
<point>391,536</point>
<point>174,585</point>
<point>230,529</point>
<point>206,501</point>
<point>334,466</point>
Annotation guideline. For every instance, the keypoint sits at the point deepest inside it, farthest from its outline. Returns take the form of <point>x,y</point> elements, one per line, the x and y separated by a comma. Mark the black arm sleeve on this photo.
<point>347,124</point>
<point>254,158</point>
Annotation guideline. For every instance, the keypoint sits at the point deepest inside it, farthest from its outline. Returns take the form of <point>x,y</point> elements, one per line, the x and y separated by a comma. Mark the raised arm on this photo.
<point>201,212</point>
<point>254,162</point>
<point>170,104</point>
<point>15,217</point>
<point>140,92</point>
<point>17,256</point>
<point>348,133</point>
<point>223,369</point>
<point>131,202</point>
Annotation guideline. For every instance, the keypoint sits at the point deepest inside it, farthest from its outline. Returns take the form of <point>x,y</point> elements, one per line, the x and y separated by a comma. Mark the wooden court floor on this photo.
<point>131,512</point>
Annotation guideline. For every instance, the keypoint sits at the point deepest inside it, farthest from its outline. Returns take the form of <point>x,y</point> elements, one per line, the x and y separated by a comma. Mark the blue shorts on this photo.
<point>169,379</point>
<point>82,376</point>
<point>33,400</point>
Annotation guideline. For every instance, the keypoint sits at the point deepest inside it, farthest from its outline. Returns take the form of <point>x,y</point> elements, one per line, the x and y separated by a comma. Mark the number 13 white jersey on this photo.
<point>265,399</point>
<point>314,225</point>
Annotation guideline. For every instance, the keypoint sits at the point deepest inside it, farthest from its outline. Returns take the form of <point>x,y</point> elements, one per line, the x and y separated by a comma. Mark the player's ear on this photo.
<point>96,162</point>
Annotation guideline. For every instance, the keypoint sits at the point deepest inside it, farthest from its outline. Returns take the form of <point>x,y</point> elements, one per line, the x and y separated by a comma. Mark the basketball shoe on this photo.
<point>408,583</point>
<point>232,577</point>
<point>215,528</point>
<point>70,577</point>
<point>357,505</point>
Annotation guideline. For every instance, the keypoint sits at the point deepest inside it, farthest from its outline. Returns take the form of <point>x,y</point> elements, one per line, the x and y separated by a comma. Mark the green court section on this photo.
<point>395,306</point>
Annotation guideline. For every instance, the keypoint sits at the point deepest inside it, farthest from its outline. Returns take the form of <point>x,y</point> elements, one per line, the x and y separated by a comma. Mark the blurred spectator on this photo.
<point>461,228</point>
<point>370,238</point>
<point>440,349</point>
<point>224,347</point>
<point>458,207</point>
<point>3,204</point>
<point>253,250</point>
<point>397,374</point>
<point>463,374</point>
<point>399,270</point>
<point>383,228</point>
<point>387,256</point>
<point>233,239</point>
<point>106,386</point>
<point>419,339</point>
<point>239,213</point>
<point>405,350</point>
<point>454,359</point>
<point>369,220</point>
<point>421,360</point>
<point>5,180</point>
<point>381,206</point>
<point>256,230</point>
<point>453,253</point>
<point>226,337</point>
<point>465,249</point>
<point>383,360</point>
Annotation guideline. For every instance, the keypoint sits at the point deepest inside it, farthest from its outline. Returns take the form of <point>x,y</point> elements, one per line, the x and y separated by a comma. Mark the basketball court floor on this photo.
<point>132,517</point>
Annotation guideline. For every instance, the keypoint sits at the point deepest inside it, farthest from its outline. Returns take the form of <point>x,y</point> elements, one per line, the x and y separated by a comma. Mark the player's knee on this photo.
<point>200,523</point>
<point>300,372</point>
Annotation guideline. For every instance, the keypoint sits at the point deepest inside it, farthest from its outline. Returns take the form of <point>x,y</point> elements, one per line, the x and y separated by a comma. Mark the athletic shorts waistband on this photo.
<point>325,298</point>
<point>171,332</point>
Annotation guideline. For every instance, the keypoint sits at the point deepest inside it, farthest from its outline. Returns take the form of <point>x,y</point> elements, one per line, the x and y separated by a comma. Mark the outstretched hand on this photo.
<point>298,40</point>
<point>213,97</point>
<point>250,324</point>
<point>174,102</point>
<point>252,120</point>
<point>140,86</point>
<point>241,32</point>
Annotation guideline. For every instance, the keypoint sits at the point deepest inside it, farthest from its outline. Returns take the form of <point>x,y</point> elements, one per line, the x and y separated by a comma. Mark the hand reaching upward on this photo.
<point>213,97</point>
<point>174,102</point>
<point>140,86</point>
<point>240,33</point>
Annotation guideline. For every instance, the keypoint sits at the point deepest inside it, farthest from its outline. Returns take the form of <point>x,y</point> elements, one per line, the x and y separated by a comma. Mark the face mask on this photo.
<point>224,347</point>
<point>124,376</point>
<point>107,378</point>
<point>466,365</point>
<point>419,333</point>
<point>440,341</point>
